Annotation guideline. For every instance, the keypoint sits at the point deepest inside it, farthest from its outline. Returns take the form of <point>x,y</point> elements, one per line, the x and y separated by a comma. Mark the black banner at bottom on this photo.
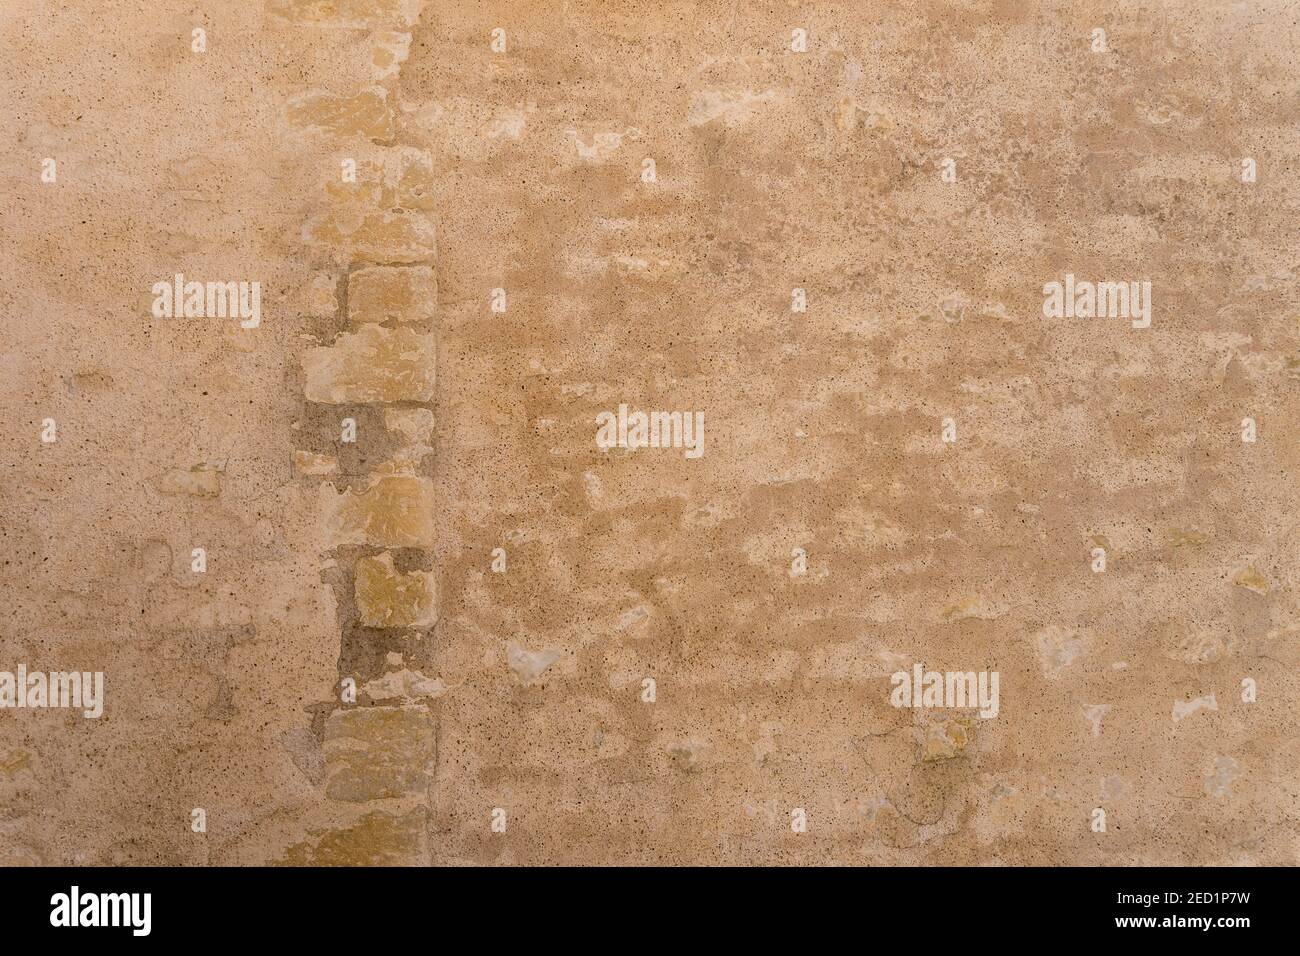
<point>331,905</point>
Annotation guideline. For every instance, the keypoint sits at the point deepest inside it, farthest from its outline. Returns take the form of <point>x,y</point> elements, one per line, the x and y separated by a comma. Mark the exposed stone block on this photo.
<point>414,426</point>
<point>364,113</point>
<point>377,753</point>
<point>347,14</point>
<point>373,364</point>
<point>387,598</point>
<point>392,294</point>
<point>377,839</point>
<point>394,511</point>
<point>378,236</point>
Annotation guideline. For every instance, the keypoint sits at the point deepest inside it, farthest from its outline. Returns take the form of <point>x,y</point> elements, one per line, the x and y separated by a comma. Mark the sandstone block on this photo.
<point>373,364</point>
<point>382,235</point>
<point>387,598</point>
<point>394,511</point>
<point>346,14</point>
<point>392,294</point>
<point>377,839</point>
<point>365,113</point>
<point>377,753</point>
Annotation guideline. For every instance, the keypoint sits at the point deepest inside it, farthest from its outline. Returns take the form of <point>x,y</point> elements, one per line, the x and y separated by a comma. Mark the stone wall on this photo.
<point>438,623</point>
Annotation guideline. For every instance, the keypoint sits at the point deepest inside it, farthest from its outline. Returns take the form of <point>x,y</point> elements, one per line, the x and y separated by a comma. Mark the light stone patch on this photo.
<point>366,113</point>
<point>311,464</point>
<point>1095,714</point>
<point>1184,709</point>
<point>401,294</point>
<point>731,109</point>
<point>1058,647</point>
<point>1251,580</point>
<point>392,511</point>
<point>377,753</point>
<point>404,685</point>
<point>378,236</point>
<point>387,598</point>
<point>373,364</point>
<point>200,481</point>
<point>414,426</point>
<point>377,839</point>
<point>347,14</point>
<point>527,665</point>
<point>388,52</point>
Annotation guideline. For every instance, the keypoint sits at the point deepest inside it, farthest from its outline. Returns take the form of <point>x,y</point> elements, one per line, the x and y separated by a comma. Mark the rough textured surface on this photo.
<point>436,622</point>
<point>397,294</point>
<point>374,364</point>
<point>388,598</point>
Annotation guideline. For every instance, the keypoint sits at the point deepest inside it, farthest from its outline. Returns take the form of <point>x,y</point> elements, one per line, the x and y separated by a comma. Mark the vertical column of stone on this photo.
<point>368,391</point>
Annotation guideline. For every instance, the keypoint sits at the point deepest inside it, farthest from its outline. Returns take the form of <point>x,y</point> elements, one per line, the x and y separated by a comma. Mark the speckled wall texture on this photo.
<point>677,433</point>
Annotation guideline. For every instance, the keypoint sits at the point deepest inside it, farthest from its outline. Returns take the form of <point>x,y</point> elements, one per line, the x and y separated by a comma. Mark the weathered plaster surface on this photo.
<point>498,273</point>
